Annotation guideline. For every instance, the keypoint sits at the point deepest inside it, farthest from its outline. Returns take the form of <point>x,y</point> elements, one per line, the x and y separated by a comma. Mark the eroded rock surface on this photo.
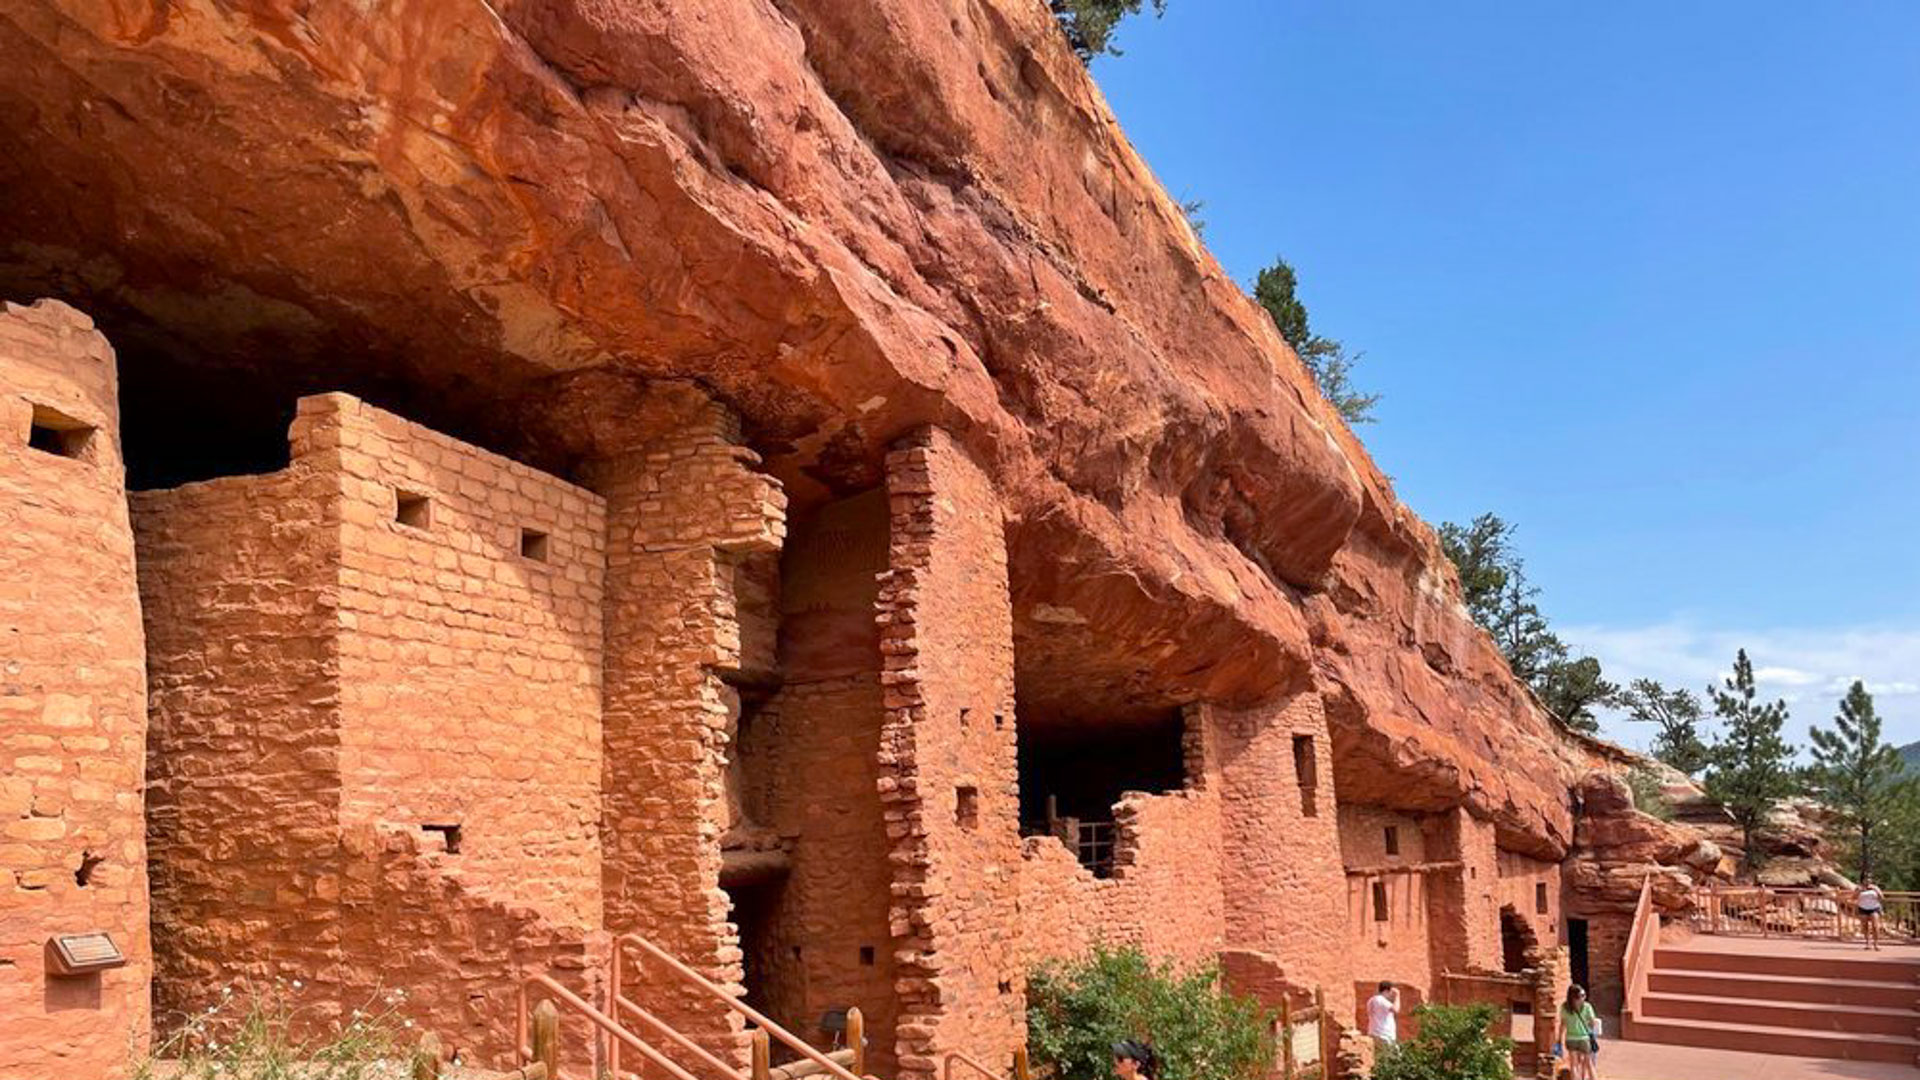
<point>849,218</point>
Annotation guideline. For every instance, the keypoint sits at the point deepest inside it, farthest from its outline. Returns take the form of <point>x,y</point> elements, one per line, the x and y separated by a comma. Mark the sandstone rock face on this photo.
<point>848,217</point>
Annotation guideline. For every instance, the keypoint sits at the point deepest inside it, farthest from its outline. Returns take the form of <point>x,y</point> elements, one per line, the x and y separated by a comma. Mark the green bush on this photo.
<point>1647,796</point>
<point>1076,1012</point>
<point>252,1035</point>
<point>1454,1044</point>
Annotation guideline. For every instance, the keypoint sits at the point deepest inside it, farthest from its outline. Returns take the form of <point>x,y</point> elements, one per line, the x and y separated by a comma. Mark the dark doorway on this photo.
<point>771,962</point>
<point>1577,951</point>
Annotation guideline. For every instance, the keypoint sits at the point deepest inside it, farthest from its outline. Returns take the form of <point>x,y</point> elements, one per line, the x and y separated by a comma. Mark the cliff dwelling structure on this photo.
<point>782,480</point>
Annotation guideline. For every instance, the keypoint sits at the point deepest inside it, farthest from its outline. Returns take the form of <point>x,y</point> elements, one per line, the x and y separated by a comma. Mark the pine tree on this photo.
<point>1678,713</point>
<point>1748,769</point>
<point>1089,24</point>
<point>1856,774</point>
<point>1326,359</point>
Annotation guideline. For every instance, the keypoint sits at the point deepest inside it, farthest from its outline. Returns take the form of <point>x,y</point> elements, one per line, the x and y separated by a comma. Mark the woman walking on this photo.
<point>1579,1028</point>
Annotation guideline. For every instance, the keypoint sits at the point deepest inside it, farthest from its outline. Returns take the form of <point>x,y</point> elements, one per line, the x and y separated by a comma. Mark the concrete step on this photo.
<point>1801,988</point>
<point>1764,1039</point>
<point>1802,1016</point>
<point>1874,967</point>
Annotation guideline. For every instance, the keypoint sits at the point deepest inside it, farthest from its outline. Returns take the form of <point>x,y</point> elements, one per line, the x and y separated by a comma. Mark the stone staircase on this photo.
<point>1830,1006</point>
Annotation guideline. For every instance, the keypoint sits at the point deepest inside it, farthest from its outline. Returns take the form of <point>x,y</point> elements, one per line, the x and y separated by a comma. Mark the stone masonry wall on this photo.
<point>1532,888</point>
<point>243,804</point>
<point>1282,873</point>
<point>816,750</point>
<point>1398,946</point>
<point>1165,893</point>
<point>292,628</point>
<point>1465,907</point>
<point>469,668</point>
<point>684,506</point>
<point>72,704</point>
<point>949,777</point>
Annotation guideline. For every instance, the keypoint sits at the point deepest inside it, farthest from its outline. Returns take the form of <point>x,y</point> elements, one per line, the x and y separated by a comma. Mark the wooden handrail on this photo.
<point>956,1057</point>
<point>600,1020</point>
<point>700,982</point>
<point>1640,941</point>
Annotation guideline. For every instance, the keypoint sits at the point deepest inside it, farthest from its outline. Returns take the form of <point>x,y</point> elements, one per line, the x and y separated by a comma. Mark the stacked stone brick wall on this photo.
<point>815,748</point>
<point>1281,869</point>
<point>470,644</point>
<point>1393,884</point>
<point>294,760</point>
<point>1531,887</point>
<point>72,703</point>
<point>1463,903</point>
<point>684,508</point>
<point>245,776</point>
<point>949,777</point>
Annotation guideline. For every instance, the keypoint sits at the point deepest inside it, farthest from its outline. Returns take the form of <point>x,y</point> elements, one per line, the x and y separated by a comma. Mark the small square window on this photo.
<point>449,835</point>
<point>1393,840</point>
<point>413,509</point>
<point>966,808</point>
<point>866,956</point>
<point>533,545</point>
<point>54,432</point>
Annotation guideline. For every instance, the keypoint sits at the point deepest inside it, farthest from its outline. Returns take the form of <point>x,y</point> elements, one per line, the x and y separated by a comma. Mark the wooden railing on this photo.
<point>1811,912</point>
<point>1638,962</point>
<point>541,998</point>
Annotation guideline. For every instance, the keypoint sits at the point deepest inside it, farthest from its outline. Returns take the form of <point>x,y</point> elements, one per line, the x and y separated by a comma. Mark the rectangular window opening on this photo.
<point>1393,840</point>
<point>1540,897</point>
<point>1306,773</point>
<point>449,836</point>
<point>966,809</point>
<point>412,509</point>
<point>866,956</point>
<point>1379,901</point>
<point>533,545</point>
<point>54,432</point>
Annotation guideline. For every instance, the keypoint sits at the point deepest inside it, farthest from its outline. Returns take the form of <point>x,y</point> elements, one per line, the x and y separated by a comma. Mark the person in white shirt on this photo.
<point>1870,901</point>
<point>1382,1009</point>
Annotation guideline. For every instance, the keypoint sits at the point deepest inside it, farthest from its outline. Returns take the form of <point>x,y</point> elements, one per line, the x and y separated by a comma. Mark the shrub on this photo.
<point>1454,1044</point>
<point>253,1036</point>
<point>1647,796</point>
<point>1076,1012</point>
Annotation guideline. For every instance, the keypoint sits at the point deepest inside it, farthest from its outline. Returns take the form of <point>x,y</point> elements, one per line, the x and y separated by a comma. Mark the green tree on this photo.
<point>1089,24</point>
<point>1857,774</point>
<point>1482,554</point>
<point>1191,209</point>
<point>1748,766</point>
<point>1571,687</point>
<point>1076,1011</point>
<point>1677,712</point>
<point>1326,359</point>
<point>1493,582</point>
<point>1455,1043</point>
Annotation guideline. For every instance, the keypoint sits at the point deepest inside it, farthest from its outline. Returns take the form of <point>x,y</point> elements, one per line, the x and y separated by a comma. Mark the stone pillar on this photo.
<point>1282,875</point>
<point>684,504</point>
<point>1465,901</point>
<point>948,773</point>
<point>73,715</point>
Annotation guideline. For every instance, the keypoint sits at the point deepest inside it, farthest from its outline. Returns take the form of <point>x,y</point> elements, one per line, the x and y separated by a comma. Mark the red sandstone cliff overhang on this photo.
<point>847,217</point>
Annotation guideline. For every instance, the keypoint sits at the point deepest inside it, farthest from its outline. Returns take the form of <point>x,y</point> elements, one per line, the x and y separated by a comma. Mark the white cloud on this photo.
<point>1809,668</point>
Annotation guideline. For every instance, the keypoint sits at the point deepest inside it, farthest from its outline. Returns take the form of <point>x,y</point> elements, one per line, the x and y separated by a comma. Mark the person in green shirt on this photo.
<point>1579,1029</point>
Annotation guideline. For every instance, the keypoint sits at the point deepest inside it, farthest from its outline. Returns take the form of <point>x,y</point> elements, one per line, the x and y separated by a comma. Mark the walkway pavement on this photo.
<point>1652,1061</point>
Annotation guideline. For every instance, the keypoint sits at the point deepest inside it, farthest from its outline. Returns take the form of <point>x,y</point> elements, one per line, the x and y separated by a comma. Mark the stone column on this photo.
<point>73,708</point>
<point>685,502</point>
<point>948,774</point>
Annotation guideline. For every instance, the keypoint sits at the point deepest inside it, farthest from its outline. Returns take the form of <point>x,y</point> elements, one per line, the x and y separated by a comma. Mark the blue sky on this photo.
<point>1642,278</point>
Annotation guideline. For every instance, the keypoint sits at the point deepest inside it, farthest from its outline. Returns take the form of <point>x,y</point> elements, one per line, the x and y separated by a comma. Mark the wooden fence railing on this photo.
<point>1809,912</point>
<point>1303,1037</point>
